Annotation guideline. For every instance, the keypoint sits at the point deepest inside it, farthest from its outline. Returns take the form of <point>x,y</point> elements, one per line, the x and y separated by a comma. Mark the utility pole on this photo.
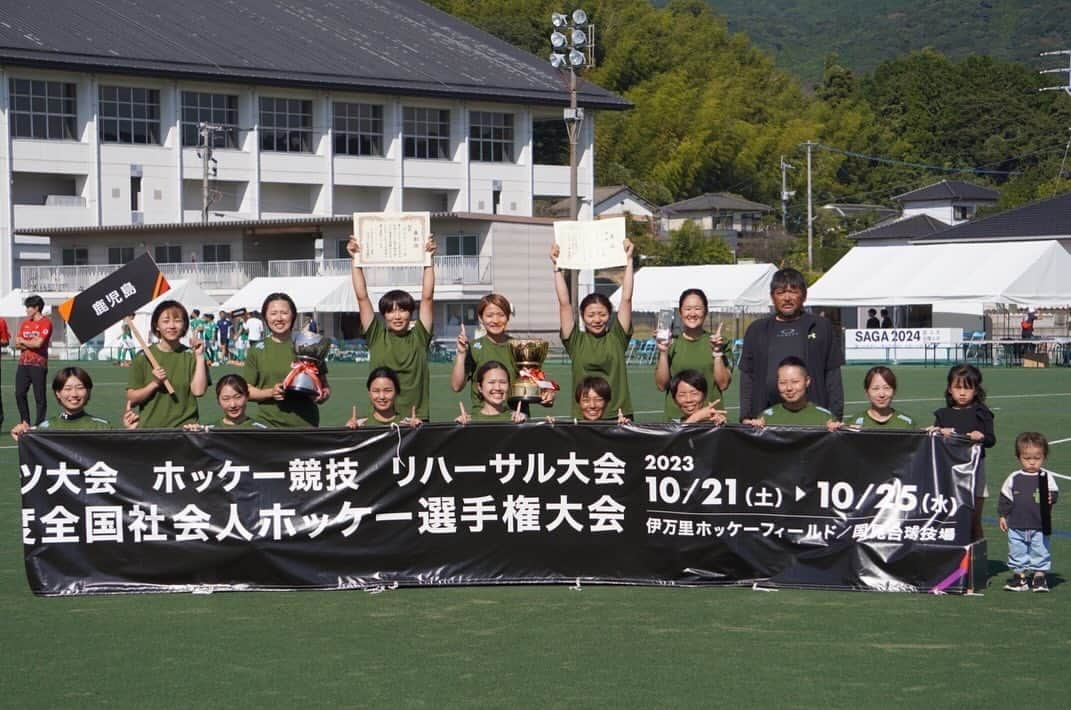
<point>785,194</point>
<point>810,212</point>
<point>208,133</point>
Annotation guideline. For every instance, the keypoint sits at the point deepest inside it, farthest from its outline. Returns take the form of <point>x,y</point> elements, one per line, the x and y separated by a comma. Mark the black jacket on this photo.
<point>824,355</point>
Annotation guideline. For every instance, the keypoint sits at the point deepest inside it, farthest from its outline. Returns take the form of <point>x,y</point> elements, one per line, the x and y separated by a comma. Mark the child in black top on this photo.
<point>1025,507</point>
<point>967,416</point>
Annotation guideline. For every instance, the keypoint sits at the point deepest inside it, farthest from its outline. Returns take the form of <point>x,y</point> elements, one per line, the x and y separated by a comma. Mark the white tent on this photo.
<point>1023,273</point>
<point>322,294</point>
<point>727,286</point>
<point>186,292</point>
<point>11,304</point>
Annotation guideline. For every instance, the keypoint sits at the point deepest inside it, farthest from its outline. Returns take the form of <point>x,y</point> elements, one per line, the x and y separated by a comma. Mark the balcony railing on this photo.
<point>448,270</point>
<point>209,275</point>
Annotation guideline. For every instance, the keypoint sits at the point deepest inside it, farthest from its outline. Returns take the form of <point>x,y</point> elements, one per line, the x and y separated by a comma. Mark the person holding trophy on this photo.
<point>599,349</point>
<point>696,349</point>
<point>286,372</point>
<point>496,345</point>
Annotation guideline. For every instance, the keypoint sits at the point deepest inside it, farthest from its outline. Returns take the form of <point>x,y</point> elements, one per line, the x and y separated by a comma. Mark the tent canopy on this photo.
<point>324,294</point>
<point>11,304</point>
<point>727,286</point>
<point>1021,273</point>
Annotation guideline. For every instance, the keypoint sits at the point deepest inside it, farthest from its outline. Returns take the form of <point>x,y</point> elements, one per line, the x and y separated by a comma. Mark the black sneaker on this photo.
<point>1040,583</point>
<point>1017,583</point>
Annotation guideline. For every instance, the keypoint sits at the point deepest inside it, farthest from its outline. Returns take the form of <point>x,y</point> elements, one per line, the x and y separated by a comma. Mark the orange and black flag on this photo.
<point>116,296</point>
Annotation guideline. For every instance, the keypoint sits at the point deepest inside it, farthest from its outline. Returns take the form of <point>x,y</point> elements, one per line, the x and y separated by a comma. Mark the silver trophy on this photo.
<point>310,352</point>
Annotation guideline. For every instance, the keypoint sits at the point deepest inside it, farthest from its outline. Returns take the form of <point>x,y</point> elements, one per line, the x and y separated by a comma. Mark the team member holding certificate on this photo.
<point>598,349</point>
<point>393,341</point>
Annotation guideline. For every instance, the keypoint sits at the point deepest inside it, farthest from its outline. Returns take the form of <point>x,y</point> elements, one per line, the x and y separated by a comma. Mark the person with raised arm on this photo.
<point>599,349</point>
<point>393,341</point>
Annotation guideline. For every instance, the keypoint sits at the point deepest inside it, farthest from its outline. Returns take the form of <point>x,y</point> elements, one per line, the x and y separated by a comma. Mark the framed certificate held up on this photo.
<point>595,244</point>
<point>392,238</point>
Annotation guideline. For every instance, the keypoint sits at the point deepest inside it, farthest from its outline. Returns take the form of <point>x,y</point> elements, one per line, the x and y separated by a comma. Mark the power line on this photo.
<point>921,166</point>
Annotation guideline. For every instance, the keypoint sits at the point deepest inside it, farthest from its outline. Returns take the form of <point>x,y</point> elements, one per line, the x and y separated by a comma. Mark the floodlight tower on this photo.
<point>572,50</point>
<point>1063,87</point>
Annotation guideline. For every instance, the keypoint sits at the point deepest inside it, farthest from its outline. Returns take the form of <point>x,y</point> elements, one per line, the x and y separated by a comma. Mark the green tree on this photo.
<point>689,245</point>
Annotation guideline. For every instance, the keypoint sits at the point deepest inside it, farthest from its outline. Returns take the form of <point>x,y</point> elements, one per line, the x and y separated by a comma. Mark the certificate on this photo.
<point>392,238</point>
<point>595,244</point>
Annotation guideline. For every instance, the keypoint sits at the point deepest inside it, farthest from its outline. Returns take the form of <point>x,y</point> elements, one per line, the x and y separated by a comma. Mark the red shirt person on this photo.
<point>32,341</point>
<point>5,338</point>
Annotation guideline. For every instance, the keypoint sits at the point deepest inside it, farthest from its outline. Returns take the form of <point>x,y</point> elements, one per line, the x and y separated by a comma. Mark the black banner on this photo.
<point>145,511</point>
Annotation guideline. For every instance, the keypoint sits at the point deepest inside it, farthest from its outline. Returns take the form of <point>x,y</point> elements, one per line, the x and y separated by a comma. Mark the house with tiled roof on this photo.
<point>950,201</point>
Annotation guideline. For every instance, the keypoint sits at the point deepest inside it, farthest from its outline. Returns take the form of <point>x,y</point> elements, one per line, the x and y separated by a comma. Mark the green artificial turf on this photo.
<point>553,645</point>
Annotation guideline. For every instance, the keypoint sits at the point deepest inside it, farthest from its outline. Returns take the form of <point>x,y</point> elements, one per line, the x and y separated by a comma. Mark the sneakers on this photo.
<point>1040,583</point>
<point>1017,583</point>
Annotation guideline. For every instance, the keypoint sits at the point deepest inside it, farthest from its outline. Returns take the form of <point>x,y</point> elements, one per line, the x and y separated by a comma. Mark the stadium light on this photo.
<point>573,42</point>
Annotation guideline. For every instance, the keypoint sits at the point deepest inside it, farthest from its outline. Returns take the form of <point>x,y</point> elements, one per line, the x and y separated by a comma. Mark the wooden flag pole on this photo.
<point>129,320</point>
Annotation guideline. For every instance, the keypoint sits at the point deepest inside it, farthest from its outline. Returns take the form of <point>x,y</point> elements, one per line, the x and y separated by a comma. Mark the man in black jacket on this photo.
<point>790,332</point>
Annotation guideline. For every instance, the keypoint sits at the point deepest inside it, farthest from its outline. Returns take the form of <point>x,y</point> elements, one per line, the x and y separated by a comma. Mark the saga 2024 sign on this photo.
<point>900,344</point>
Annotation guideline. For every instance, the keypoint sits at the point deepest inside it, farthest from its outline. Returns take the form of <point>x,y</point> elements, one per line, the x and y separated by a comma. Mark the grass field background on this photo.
<point>551,646</point>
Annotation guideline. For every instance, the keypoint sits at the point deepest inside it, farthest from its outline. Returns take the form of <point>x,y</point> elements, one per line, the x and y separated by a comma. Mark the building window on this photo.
<point>491,136</point>
<point>43,109</point>
<point>427,133</point>
<point>358,129</point>
<point>216,252</point>
<point>129,115</point>
<point>218,109</point>
<point>75,256</point>
<point>120,255</point>
<point>461,313</point>
<point>165,254</point>
<point>962,213</point>
<point>286,125</point>
<point>462,245</point>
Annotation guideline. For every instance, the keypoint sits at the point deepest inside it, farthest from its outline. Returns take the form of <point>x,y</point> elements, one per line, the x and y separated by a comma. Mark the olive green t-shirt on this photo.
<point>898,420</point>
<point>81,421</point>
<point>602,356</point>
<point>478,416</point>
<point>162,410</point>
<point>247,423</point>
<point>484,350</point>
<point>811,415</point>
<point>371,421</point>
<point>687,354</point>
<point>407,355</point>
<point>267,364</point>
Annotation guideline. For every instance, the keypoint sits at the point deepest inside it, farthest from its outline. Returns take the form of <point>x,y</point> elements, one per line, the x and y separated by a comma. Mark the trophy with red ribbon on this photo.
<point>531,382</point>
<point>310,351</point>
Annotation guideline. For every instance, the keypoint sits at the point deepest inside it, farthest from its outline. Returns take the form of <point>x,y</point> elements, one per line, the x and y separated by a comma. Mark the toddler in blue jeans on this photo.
<point>1025,506</point>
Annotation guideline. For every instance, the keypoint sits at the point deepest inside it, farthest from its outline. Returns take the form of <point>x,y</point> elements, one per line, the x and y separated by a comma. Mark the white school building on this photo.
<point>317,112</point>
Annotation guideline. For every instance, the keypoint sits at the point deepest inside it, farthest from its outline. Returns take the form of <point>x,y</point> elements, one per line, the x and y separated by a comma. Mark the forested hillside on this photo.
<point>864,33</point>
<point>714,112</point>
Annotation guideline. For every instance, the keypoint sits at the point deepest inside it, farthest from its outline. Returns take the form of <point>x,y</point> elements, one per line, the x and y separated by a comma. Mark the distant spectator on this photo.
<point>5,338</point>
<point>872,319</point>
<point>223,327</point>
<point>32,343</point>
<point>886,320</point>
<point>254,328</point>
<point>1027,324</point>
